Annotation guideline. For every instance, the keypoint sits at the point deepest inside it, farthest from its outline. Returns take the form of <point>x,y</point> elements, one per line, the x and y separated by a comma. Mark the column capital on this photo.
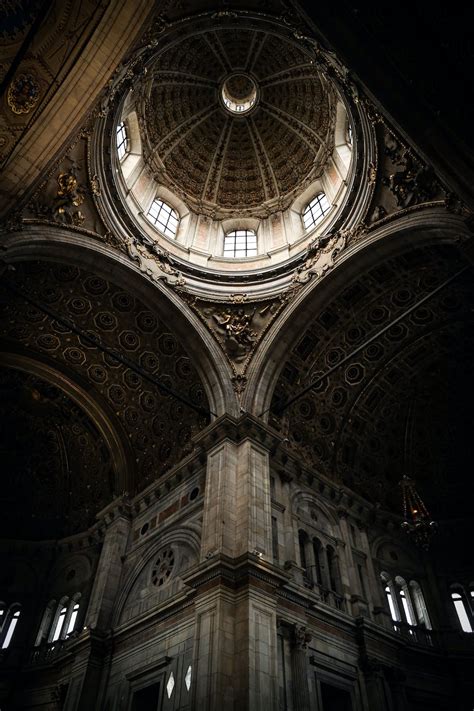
<point>238,429</point>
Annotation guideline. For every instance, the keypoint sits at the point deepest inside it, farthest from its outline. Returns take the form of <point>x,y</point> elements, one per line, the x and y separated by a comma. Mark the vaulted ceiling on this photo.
<point>400,404</point>
<point>70,322</point>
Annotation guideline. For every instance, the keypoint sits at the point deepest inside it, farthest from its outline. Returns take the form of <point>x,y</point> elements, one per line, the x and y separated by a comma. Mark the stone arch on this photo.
<point>426,228</point>
<point>407,561</point>
<point>71,248</point>
<point>302,497</point>
<point>188,543</point>
<point>98,410</point>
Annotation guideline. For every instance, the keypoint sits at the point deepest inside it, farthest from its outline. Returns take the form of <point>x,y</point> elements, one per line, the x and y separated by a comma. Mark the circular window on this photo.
<point>162,568</point>
<point>194,493</point>
<point>239,93</point>
<point>144,528</point>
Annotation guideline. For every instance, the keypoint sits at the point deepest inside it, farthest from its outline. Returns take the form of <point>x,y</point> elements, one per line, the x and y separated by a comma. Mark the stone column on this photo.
<point>235,654</point>
<point>375,590</point>
<point>91,644</point>
<point>237,508</point>
<point>349,578</point>
<point>117,518</point>
<point>299,668</point>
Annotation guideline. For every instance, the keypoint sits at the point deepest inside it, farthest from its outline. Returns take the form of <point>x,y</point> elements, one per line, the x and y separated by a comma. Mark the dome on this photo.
<point>231,127</point>
<point>236,119</point>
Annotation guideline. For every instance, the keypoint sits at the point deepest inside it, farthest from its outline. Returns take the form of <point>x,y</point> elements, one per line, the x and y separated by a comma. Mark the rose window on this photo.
<point>162,568</point>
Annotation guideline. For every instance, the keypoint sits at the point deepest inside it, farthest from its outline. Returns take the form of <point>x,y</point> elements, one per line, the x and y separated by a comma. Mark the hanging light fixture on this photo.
<point>417,521</point>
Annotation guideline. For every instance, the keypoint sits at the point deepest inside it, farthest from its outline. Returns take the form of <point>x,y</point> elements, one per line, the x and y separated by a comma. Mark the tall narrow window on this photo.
<point>406,608</point>
<point>59,624</point>
<point>420,606</point>
<point>73,618</point>
<point>461,612</point>
<point>393,612</point>
<point>275,538</point>
<point>10,628</point>
<point>361,572</point>
<point>46,622</point>
<point>315,211</point>
<point>240,243</point>
<point>122,140</point>
<point>164,217</point>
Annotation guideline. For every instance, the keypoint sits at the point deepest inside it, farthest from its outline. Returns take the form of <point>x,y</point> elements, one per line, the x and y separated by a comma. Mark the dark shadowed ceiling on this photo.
<point>404,403</point>
<point>57,447</point>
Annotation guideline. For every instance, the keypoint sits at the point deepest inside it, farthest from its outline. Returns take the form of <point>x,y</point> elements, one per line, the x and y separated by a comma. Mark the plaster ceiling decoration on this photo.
<point>157,427</point>
<point>235,118</point>
<point>352,426</point>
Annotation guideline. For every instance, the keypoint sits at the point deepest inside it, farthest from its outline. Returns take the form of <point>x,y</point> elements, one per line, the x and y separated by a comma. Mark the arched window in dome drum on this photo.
<point>349,134</point>
<point>163,217</point>
<point>315,211</point>
<point>123,142</point>
<point>240,243</point>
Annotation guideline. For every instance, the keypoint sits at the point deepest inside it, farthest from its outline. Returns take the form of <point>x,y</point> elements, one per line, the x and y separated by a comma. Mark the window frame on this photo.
<point>51,620</point>
<point>243,234</point>
<point>122,145</point>
<point>462,601</point>
<point>316,209</point>
<point>171,215</point>
<point>10,618</point>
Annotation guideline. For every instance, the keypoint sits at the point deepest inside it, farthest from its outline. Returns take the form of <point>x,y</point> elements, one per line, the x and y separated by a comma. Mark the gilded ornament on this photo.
<point>69,195</point>
<point>23,94</point>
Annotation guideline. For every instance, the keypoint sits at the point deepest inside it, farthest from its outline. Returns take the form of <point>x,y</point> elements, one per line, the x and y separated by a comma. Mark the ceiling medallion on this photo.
<point>239,93</point>
<point>23,94</point>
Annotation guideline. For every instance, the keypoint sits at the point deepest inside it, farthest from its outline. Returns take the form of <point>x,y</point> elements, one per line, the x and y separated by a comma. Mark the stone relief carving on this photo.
<point>155,263</point>
<point>301,637</point>
<point>238,325</point>
<point>322,253</point>
<point>401,180</point>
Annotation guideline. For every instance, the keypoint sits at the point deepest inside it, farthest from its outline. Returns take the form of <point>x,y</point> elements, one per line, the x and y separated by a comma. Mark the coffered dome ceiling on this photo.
<point>236,118</point>
<point>398,405</point>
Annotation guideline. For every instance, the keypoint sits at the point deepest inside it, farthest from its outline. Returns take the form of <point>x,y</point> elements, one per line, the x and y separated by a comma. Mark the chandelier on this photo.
<point>417,521</point>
